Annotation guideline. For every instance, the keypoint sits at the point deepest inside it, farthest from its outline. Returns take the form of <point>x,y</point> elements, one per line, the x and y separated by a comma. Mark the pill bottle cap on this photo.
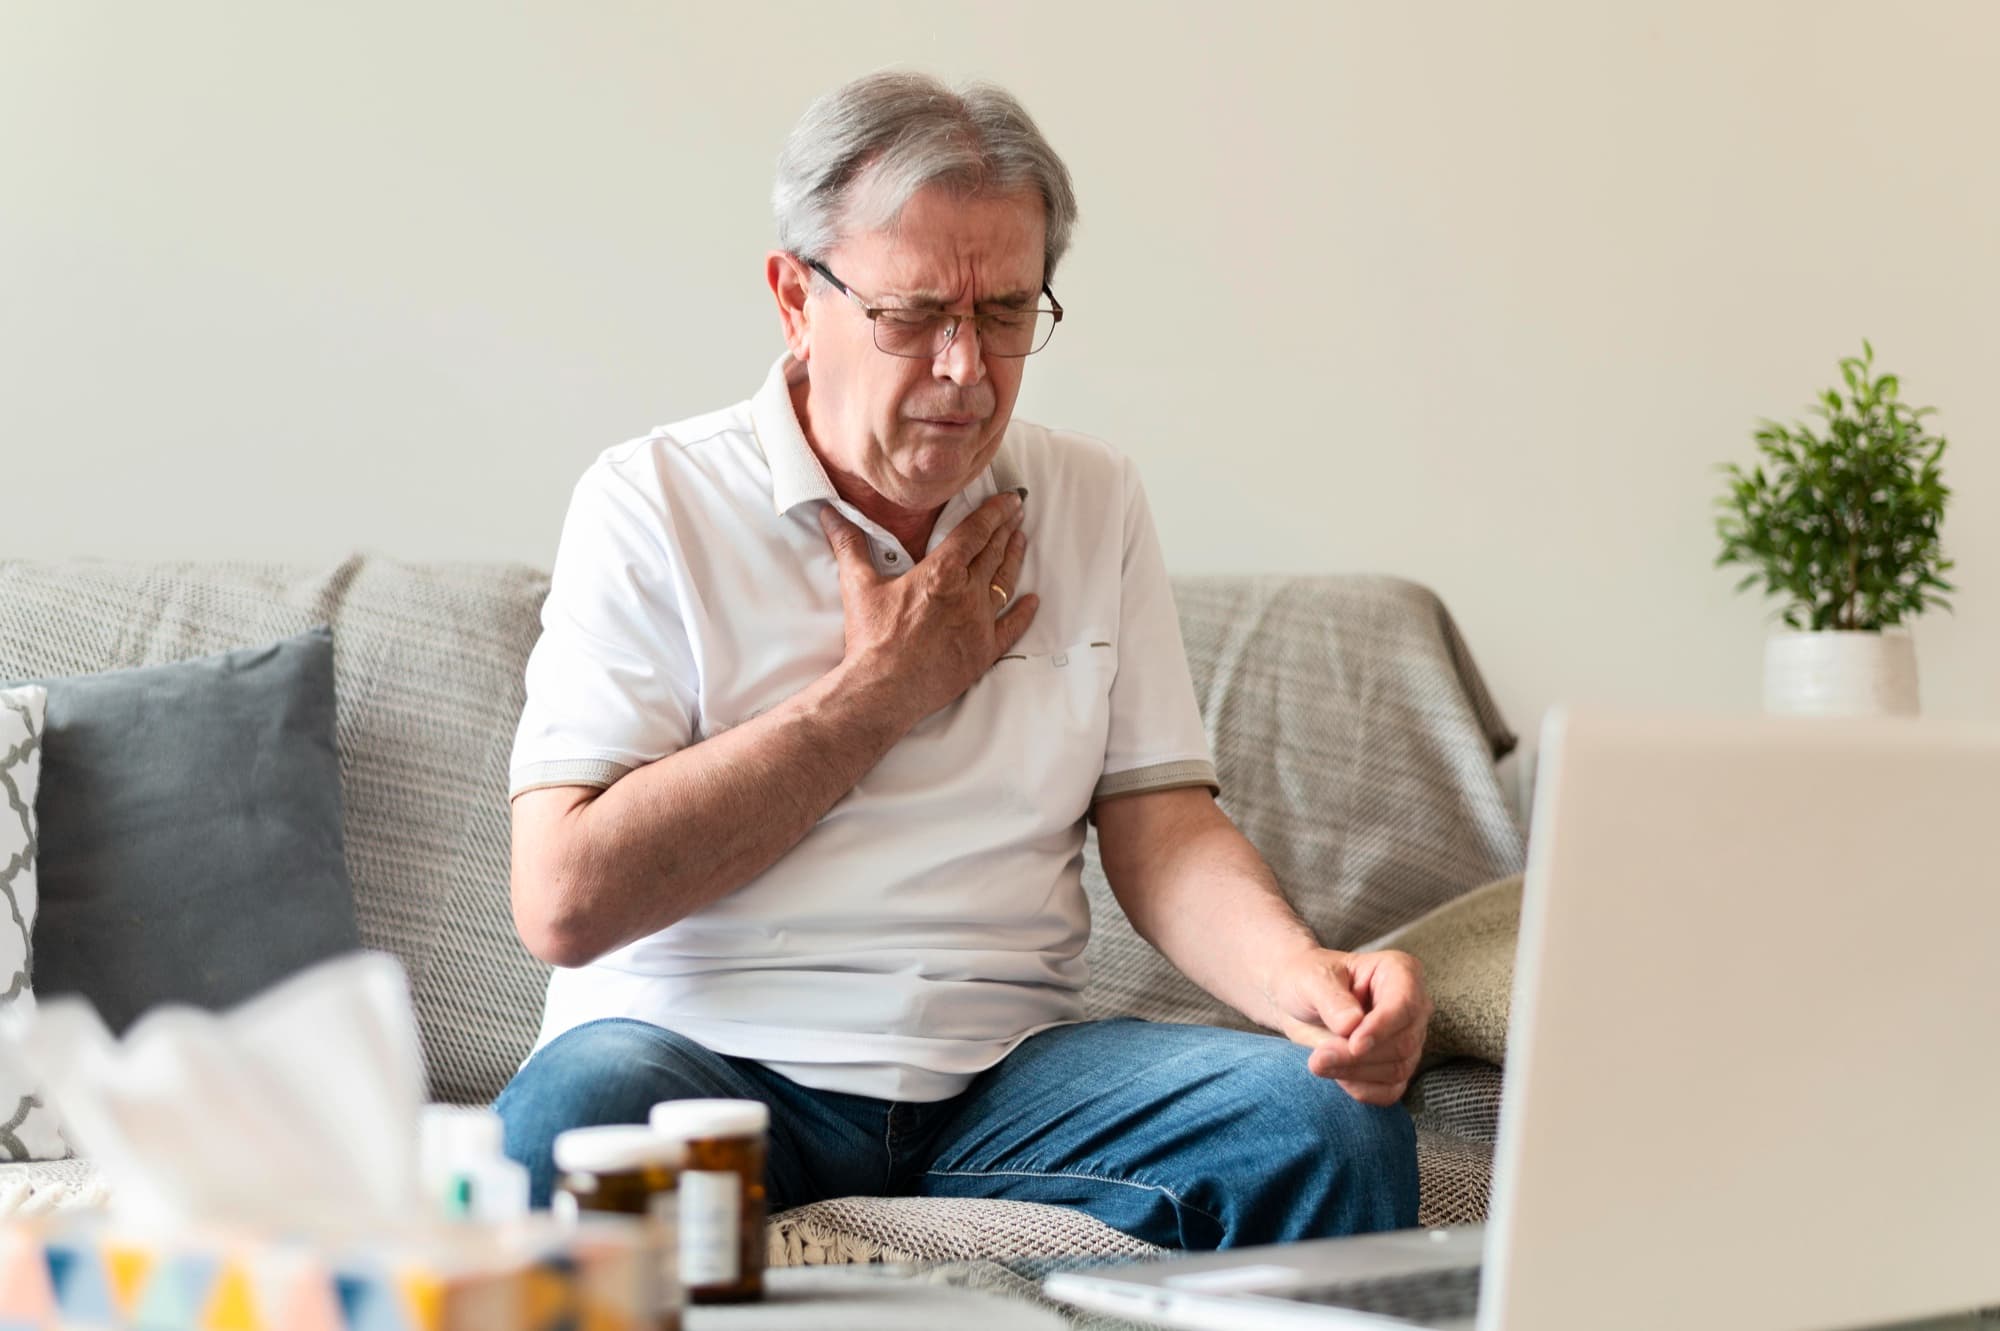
<point>616,1148</point>
<point>691,1120</point>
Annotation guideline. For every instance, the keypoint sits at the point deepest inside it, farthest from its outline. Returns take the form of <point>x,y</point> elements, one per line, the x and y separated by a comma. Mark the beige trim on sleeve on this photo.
<point>599,772</point>
<point>1159,776</point>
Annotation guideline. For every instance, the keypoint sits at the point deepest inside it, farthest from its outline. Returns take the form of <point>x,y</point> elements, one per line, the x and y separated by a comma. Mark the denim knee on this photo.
<point>1335,1165</point>
<point>611,1071</point>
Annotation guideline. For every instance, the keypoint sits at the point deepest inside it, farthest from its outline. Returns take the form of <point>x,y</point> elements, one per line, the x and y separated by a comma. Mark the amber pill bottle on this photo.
<point>627,1169</point>
<point>721,1195</point>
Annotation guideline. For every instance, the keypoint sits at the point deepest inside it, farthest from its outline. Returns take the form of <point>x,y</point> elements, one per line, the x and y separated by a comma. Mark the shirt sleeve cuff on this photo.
<point>599,772</point>
<point>1158,776</point>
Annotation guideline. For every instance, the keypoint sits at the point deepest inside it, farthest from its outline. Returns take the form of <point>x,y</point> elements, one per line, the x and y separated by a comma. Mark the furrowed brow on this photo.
<point>928,300</point>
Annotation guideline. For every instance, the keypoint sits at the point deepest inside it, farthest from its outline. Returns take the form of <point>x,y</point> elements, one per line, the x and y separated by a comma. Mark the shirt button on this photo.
<point>890,556</point>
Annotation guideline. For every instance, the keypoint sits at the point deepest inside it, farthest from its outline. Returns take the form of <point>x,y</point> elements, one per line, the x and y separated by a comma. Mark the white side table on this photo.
<point>869,1298</point>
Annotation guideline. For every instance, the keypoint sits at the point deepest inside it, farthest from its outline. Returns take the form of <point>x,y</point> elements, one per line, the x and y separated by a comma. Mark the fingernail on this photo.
<point>1022,491</point>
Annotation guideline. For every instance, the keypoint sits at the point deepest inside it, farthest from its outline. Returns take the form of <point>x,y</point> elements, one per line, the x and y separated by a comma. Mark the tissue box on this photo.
<point>62,1274</point>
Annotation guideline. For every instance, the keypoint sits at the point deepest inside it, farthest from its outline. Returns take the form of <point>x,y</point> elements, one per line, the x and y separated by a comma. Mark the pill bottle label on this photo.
<point>711,1213</point>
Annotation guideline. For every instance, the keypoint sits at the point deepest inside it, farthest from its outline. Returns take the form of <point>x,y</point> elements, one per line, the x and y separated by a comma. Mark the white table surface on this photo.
<point>864,1298</point>
<point>879,1298</point>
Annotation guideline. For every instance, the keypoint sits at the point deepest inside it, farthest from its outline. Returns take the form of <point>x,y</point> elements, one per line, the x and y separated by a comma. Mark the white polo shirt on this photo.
<point>935,916</point>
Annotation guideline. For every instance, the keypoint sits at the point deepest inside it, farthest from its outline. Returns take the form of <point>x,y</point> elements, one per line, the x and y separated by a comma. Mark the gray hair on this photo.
<point>896,133</point>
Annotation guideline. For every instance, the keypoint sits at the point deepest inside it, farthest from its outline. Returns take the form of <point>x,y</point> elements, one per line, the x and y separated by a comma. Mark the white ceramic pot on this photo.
<point>1841,672</point>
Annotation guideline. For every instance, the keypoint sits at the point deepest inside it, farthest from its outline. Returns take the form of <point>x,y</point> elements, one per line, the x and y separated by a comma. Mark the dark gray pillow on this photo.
<point>190,830</point>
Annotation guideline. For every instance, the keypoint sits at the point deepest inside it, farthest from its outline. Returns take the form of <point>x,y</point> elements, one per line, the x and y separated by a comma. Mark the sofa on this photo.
<point>1356,744</point>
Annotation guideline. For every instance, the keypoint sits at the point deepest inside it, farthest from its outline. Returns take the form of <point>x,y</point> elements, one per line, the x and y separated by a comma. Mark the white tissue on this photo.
<point>296,1112</point>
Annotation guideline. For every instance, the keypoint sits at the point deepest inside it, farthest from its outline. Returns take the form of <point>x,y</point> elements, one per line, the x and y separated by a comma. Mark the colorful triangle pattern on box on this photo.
<point>129,1269</point>
<point>422,1301</point>
<point>177,1291</point>
<point>370,1303</point>
<point>51,1277</point>
<point>26,1294</point>
<point>232,1303</point>
<point>296,1294</point>
<point>82,1292</point>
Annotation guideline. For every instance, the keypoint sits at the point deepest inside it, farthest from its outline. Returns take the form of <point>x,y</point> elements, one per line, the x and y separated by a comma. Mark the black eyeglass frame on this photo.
<point>874,312</point>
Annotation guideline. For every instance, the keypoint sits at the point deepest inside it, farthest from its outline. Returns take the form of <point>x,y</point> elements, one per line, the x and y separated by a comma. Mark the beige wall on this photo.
<point>1476,294</point>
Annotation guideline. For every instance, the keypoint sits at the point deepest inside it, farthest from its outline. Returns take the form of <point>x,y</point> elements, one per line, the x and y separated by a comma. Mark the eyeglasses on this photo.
<point>924,334</point>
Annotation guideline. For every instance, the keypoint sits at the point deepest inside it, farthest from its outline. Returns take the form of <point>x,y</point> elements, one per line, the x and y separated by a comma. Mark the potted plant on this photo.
<point>1842,524</point>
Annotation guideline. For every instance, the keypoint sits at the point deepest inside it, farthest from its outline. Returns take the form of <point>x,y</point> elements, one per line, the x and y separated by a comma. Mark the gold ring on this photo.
<point>1000,592</point>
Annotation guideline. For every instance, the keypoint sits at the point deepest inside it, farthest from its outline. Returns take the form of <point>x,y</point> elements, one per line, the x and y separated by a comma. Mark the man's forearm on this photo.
<point>673,836</point>
<point>1195,888</point>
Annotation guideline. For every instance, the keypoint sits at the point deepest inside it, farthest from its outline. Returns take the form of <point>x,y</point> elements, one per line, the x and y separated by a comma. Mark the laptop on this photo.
<point>1753,1074</point>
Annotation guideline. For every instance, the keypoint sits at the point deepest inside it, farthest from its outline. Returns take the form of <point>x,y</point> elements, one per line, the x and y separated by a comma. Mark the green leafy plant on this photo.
<point>1843,524</point>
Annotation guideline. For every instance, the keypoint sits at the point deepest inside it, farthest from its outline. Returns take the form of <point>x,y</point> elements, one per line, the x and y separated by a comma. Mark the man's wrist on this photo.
<point>863,695</point>
<point>1304,944</point>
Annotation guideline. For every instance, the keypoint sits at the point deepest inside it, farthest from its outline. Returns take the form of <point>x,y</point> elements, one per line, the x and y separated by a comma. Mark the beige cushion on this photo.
<point>1467,950</point>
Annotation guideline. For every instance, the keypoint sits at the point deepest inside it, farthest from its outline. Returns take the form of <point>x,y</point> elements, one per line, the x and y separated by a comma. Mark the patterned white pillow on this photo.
<point>28,1128</point>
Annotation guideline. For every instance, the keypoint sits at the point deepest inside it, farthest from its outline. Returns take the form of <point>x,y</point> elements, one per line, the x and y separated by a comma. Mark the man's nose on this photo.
<point>961,361</point>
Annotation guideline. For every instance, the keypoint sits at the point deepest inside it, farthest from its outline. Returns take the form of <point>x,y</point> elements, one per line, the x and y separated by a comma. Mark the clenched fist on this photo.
<point>1363,1014</point>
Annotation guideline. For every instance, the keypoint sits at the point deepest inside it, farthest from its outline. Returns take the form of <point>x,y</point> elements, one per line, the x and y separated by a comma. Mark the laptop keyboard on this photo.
<point>1423,1296</point>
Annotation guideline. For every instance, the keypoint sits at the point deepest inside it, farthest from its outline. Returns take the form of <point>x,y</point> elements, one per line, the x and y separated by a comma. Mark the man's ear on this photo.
<point>791,283</point>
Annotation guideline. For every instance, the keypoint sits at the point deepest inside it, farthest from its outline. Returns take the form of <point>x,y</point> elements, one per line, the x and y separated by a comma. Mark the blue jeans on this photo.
<point>1184,1136</point>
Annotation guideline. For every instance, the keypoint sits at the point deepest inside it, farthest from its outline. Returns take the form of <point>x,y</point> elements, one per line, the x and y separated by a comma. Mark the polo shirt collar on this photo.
<point>796,473</point>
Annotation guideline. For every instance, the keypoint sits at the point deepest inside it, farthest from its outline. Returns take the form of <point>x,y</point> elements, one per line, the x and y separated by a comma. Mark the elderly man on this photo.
<point>828,683</point>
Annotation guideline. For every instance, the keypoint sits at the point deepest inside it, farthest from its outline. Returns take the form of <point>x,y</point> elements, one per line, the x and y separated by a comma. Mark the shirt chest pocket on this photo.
<point>1070,667</point>
<point>1050,715</point>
